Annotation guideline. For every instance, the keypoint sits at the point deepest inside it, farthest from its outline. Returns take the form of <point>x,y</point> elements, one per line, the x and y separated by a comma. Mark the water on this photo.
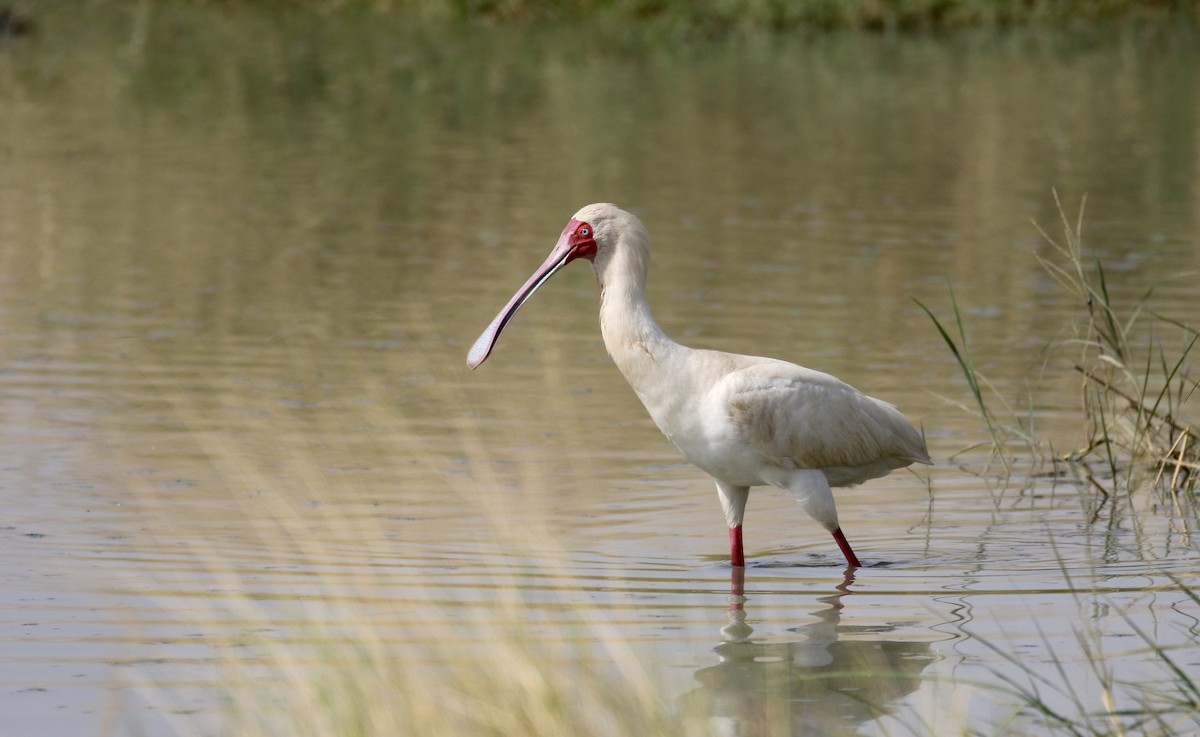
<point>243,255</point>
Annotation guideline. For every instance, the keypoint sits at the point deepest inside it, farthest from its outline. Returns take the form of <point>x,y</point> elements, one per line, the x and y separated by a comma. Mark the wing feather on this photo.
<point>797,418</point>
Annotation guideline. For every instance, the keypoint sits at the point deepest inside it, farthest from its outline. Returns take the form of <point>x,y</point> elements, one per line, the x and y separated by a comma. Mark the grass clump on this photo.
<point>1135,385</point>
<point>1133,397</point>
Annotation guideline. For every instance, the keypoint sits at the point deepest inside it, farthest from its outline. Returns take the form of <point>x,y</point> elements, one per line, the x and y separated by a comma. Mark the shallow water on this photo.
<point>242,258</point>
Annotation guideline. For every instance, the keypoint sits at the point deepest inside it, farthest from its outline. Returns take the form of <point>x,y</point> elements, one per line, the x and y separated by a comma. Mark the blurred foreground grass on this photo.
<point>349,646</point>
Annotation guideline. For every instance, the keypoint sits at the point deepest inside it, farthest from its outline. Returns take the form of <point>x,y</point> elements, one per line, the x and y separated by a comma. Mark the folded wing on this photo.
<point>796,418</point>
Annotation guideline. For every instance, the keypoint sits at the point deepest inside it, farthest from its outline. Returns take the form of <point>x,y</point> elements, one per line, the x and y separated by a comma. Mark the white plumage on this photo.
<point>745,420</point>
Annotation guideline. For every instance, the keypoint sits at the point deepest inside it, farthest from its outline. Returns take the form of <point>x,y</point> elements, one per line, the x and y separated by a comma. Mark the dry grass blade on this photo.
<point>963,357</point>
<point>1132,408</point>
<point>1134,390</point>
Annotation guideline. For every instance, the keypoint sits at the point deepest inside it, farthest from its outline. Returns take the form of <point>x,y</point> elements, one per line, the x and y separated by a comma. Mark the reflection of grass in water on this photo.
<point>1163,704</point>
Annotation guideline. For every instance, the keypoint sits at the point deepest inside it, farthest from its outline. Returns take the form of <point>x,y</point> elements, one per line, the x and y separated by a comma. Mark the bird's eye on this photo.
<point>585,232</point>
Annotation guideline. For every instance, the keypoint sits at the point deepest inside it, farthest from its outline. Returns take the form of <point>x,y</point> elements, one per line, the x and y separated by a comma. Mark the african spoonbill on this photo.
<point>744,420</point>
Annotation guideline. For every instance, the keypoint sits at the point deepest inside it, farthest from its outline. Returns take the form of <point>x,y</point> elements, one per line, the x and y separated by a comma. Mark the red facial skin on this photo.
<point>578,240</point>
<point>581,239</point>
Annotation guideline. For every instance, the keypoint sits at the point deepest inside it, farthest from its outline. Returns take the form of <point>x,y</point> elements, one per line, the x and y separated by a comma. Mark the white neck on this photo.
<point>636,343</point>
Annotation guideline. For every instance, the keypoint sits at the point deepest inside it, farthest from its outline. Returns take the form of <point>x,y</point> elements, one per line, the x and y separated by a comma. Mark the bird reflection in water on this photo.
<point>827,681</point>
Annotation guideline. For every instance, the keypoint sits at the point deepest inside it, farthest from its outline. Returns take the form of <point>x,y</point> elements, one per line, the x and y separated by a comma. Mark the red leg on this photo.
<point>851,558</point>
<point>736,557</point>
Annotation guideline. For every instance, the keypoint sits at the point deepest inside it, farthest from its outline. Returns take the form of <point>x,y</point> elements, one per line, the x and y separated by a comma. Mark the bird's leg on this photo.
<point>733,503</point>
<point>811,489</point>
<point>851,558</point>
<point>736,556</point>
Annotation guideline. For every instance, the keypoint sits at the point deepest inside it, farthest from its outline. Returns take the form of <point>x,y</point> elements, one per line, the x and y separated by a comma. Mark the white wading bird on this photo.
<point>744,420</point>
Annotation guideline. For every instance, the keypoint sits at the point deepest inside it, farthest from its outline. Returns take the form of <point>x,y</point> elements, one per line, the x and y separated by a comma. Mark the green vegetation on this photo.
<point>785,14</point>
<point>737,16</point>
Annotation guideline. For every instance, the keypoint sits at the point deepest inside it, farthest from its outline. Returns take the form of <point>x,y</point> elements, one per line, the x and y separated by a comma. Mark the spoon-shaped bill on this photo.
<point>562,254</point>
